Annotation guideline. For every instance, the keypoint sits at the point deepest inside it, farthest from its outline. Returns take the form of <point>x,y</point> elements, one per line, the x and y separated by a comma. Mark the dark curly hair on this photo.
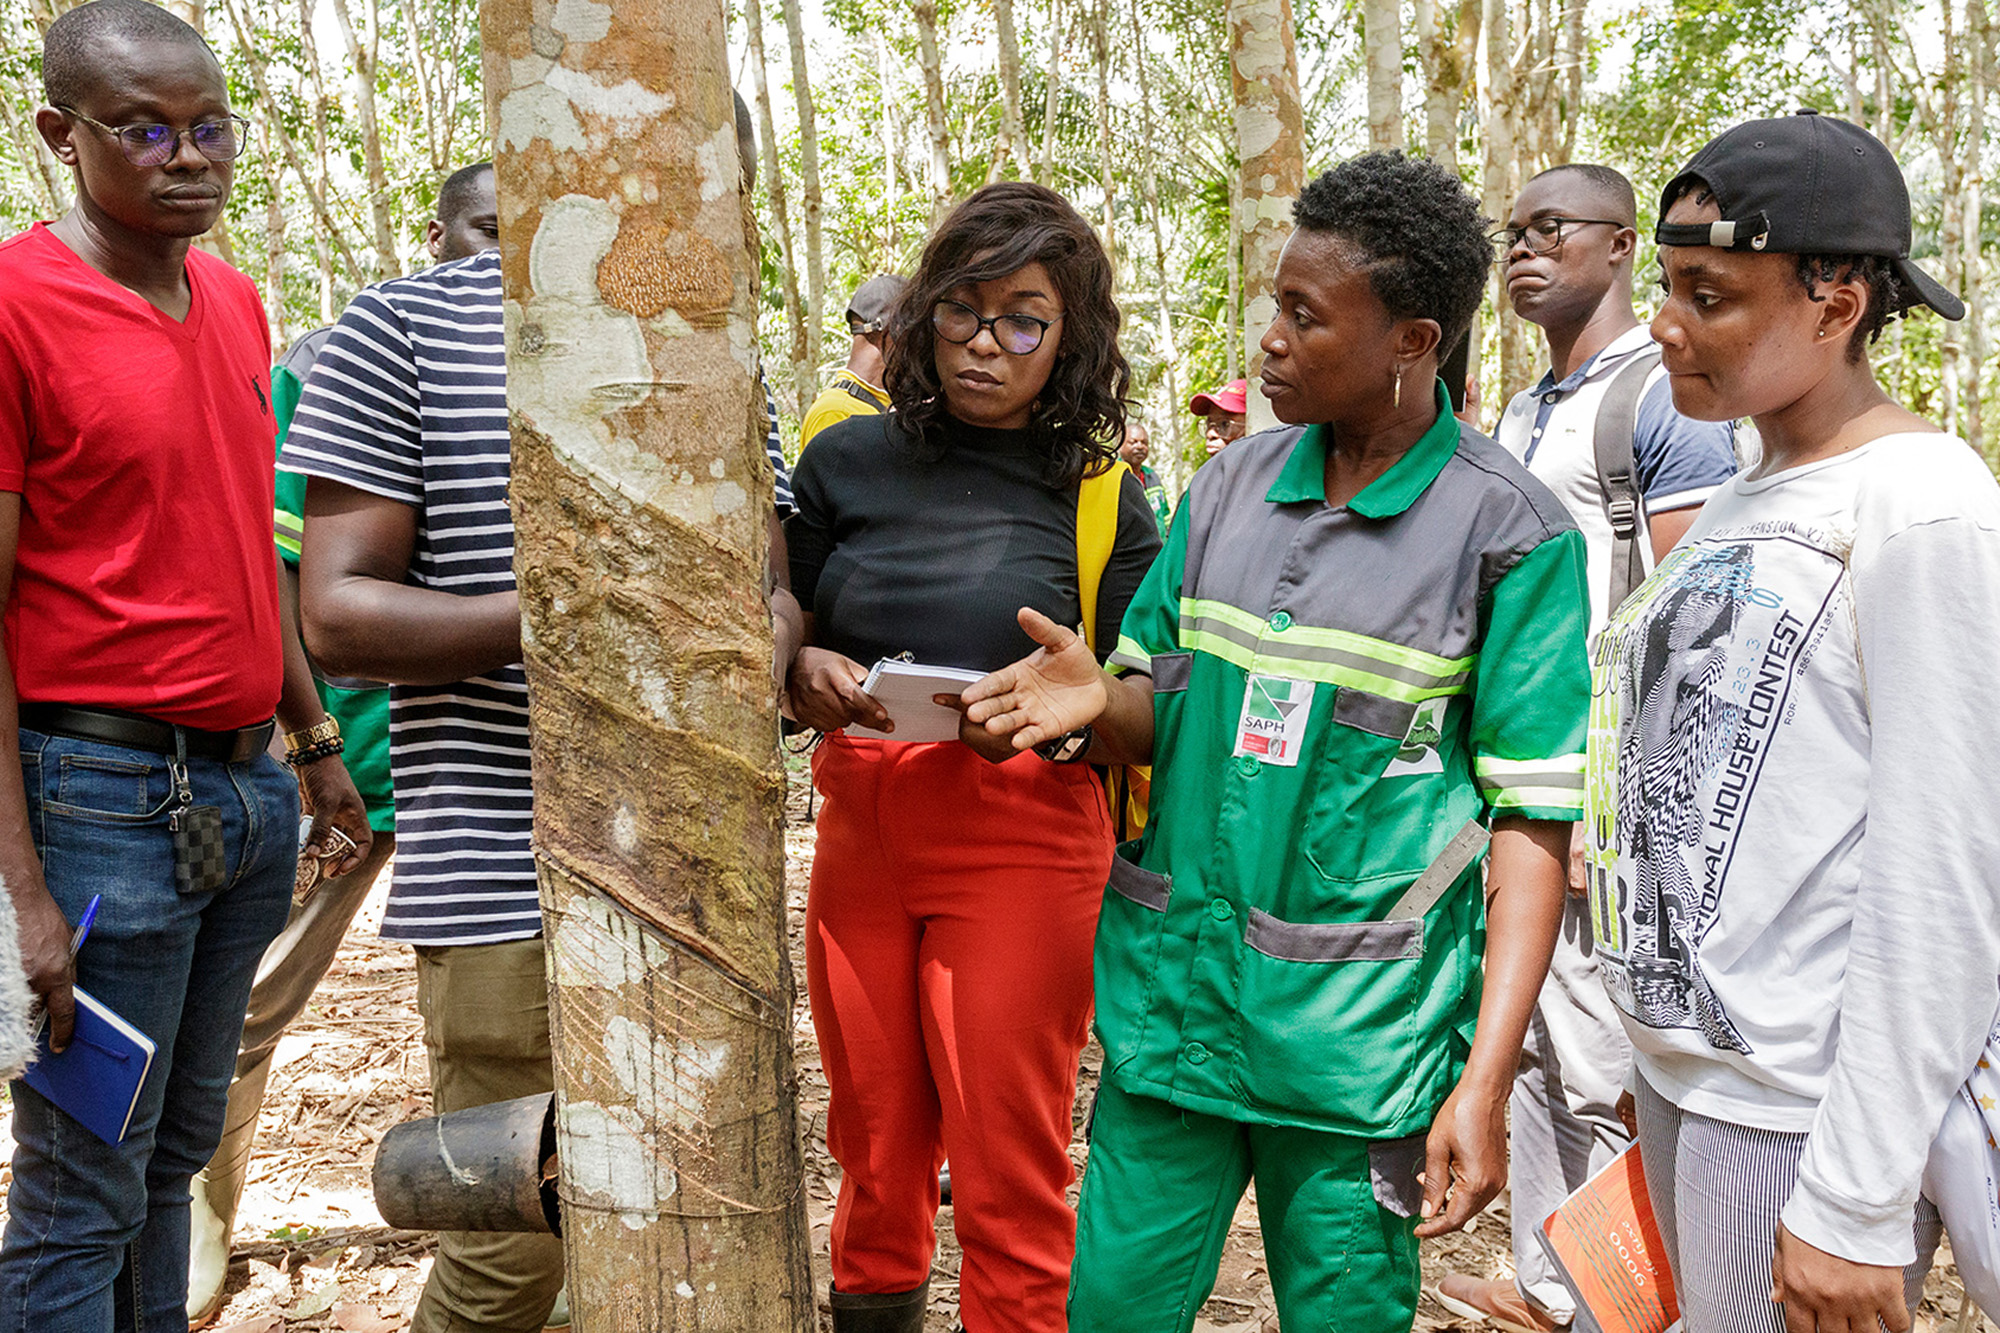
<point>1079,419</point>
<point>1420,230</point>
<point>1888,296</point>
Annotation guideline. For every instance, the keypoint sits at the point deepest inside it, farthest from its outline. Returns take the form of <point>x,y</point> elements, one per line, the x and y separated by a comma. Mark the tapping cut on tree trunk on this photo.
<point>1270,144</point>
<point>642,500</point>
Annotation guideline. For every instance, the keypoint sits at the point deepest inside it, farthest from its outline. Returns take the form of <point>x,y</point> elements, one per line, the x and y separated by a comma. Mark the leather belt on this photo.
<point>136,732</point>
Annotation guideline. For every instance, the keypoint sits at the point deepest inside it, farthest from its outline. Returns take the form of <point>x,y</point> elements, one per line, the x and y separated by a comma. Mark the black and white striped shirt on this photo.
<point>408,400</point>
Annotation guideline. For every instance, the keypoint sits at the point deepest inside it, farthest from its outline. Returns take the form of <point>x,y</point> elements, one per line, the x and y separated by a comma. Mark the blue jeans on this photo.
<point>97,1235</point>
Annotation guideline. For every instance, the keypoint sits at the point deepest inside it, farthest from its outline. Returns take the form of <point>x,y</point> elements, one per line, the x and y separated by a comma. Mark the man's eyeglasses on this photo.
<point>956,322</point>
<point>1544,236</point>
<point>150,145</point>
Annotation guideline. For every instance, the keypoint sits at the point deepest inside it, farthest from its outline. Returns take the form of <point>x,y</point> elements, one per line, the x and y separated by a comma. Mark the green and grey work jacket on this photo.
<point>1338,694</point>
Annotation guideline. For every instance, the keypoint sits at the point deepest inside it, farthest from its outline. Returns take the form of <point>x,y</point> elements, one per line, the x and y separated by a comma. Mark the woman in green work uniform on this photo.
<point>1362,648</point>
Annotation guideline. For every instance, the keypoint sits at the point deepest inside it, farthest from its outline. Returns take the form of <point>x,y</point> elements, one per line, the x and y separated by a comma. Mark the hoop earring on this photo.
<point>1397,402</point>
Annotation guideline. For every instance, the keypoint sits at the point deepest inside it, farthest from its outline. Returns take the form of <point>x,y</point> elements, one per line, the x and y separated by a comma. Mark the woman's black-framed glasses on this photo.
<point>1544,235</point>
<point>150,145</point>
<point>957,322</point>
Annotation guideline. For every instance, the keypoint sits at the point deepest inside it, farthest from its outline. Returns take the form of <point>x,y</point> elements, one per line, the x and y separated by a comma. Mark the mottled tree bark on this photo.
<point>925,13</point>
<point>809,192</point>
<point>1045,168</point>
<point>641,501</point>
<point>1100,42</point>
<point>1013,133</point>
<point>362,44</point>
<point>1500,177</point>
<point>1174,422</point>
<point>1382,49</point>
<point>1270,144</point>
<point>885,83</point>
<point>803,370</point>
<point>1232,359</point>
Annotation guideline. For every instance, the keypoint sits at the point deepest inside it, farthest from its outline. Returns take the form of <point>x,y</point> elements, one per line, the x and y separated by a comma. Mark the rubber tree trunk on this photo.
<point>1100,43</point>
<point>809,192</point>
<point>1012,143</point>
<point>641,500</point>
<point>925,14</point>
<point>1174,422</point>
<point>1503,130</point>
<point>803,370</point>
<point>1382,44</point>
<point>1270,143</point>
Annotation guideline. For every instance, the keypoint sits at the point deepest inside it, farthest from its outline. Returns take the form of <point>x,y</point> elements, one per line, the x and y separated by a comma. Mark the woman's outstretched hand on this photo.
<point>1054,690</point>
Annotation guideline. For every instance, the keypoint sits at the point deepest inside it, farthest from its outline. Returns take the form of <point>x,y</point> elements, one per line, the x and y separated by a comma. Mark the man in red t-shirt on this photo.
<point>141,661</point>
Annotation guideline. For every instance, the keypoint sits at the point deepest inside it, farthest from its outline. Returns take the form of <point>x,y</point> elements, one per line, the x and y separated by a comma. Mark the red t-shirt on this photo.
<point>141,448</point>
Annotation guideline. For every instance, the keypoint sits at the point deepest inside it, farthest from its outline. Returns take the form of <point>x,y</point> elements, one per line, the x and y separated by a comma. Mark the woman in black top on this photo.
<point>955,886</point>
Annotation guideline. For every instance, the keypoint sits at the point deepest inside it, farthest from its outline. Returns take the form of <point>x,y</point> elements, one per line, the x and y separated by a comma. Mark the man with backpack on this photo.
<point>1600,430</point>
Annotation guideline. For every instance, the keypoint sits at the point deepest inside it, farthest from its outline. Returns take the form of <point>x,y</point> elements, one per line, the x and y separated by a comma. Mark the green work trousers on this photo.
<point>1161,1189</point>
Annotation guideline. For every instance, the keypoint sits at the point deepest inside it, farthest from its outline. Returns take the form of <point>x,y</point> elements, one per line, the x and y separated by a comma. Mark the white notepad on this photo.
<point>905,689</point>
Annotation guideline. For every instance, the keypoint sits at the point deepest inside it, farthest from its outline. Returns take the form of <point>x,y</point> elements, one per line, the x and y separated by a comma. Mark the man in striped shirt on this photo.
<point>408,577</point>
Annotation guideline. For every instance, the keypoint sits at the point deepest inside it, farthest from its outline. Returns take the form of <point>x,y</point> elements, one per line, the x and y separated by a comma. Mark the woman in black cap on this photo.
<point>1791,833</point>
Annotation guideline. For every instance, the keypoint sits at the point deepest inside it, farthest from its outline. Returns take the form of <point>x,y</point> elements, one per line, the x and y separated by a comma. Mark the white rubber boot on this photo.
<point>208,1257</point>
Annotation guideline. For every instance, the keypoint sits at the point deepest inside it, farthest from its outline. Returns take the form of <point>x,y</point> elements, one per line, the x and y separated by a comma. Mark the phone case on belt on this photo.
<point>201,864</point>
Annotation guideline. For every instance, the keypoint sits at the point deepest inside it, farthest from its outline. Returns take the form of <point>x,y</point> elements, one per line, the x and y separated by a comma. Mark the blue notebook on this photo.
<point>97,1078</point>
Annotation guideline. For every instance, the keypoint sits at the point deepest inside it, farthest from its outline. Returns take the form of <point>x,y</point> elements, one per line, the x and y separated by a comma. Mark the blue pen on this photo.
<point>83,926</point>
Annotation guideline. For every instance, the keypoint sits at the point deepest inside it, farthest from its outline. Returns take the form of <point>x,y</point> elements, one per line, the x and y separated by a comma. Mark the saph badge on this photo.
<point>1276,710</point>
<point>1419,751</point>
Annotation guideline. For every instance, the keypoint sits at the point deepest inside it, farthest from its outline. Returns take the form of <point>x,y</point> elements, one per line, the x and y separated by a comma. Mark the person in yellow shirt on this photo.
<point>857,387</point>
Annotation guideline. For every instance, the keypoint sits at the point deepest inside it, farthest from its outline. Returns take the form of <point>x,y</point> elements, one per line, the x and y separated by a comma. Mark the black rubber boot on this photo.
<point>884,1312</point>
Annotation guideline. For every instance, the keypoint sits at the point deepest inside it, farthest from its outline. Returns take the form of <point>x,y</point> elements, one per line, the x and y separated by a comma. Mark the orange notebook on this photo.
<point>1606,1246</point>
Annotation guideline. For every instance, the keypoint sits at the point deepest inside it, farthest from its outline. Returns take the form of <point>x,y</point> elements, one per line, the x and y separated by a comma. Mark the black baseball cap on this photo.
<point>1805,184</point>
<point>868,312</point>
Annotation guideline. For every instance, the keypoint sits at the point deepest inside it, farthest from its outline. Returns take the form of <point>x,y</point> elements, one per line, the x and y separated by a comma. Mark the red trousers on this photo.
<point>948,939</point>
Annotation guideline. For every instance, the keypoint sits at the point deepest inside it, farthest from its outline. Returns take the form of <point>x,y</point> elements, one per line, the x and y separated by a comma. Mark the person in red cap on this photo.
<point>1226,411</point>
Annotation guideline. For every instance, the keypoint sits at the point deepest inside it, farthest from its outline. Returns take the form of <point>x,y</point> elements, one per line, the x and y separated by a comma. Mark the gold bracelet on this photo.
<point>326,730</point>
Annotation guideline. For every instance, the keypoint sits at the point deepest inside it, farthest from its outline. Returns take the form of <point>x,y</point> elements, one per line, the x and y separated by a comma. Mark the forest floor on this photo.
<point>312,1253</point>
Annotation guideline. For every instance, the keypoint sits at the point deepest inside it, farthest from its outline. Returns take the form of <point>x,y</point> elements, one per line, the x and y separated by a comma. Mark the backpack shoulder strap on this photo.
<point>1617,415</point>
<point>1096,534</point>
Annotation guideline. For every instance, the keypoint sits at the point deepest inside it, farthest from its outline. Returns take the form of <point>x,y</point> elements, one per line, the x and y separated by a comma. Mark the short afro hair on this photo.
<point>76,40</point>
<point>1418,229</point>
<point>455,195</point>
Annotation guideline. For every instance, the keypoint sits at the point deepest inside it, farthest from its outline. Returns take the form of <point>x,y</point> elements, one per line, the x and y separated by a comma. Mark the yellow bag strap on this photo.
<point>1096,534</point>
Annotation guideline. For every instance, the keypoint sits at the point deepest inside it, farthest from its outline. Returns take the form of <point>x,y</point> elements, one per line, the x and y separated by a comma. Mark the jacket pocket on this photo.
<point>1145,887</point>
<point>1338,942</point>
<point>1171,672</point>
<point>1126,961</point>
<point>1330,1022</point>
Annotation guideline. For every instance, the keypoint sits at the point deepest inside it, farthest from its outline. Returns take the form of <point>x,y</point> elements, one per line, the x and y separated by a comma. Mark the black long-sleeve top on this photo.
<point>899,548</point>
